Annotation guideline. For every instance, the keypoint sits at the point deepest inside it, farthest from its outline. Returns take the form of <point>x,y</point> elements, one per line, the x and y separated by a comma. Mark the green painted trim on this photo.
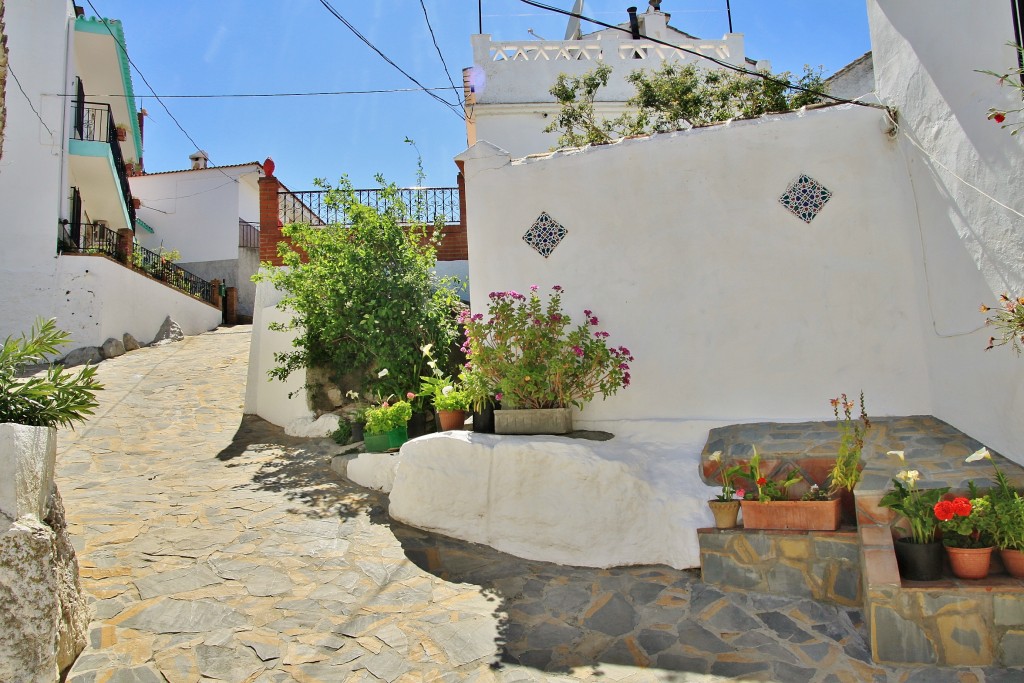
<point>144,225</point>
<point>100,26</point>
<point>90,148</point>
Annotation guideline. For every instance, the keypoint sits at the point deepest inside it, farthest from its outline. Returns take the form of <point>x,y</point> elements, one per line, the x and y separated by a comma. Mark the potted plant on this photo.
<point>386,426</point>
<point>767,505</point>
<point>846,470</point>
<point>480,399</point>
<point>1008,319</point>
<point>122,132</point>
<point>539,362</point>
<point>450,401</point>
<point>726,506</point>
<point>1008,513</point>
<point>918,554</point>
<point>966,525</point>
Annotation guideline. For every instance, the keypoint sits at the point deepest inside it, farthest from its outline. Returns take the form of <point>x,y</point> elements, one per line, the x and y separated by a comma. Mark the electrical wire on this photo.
<point>151,89</point>
<point>364,39</point>
<point>28,99</point>
<point>280,94</point>
<point>437,47</point>
<point>715,60</point>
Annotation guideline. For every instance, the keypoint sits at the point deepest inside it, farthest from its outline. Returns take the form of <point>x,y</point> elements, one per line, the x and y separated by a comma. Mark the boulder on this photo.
<point>86,354</point>
<point>130,343</point>
<point>112,348</point>
<point>324,425</point>
<point>169,332</point>
<point>29,455</point>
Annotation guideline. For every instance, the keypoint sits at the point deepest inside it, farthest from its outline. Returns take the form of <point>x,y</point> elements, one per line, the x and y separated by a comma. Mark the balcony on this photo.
<point>97,166</point>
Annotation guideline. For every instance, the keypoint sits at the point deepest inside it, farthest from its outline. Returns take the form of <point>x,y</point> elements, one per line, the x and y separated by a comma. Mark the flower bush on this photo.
<point>387,416</point>
<point>534,357</point>
<point>1008,320</point>
<point>1007,507</point>
<point>729,491</point>
<point>965,523</point>
<point>768,489</point>
<point>914,504</point>
<point>846,471</point>
<point>445,392</point>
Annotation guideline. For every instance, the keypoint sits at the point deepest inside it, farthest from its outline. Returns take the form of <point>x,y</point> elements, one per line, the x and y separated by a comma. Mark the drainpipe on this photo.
<point>634,23</point>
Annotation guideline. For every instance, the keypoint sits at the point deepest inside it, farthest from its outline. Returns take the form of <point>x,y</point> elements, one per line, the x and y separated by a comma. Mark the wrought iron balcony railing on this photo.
<point>248,234</point>
<point>95,122</point>
<point>422,204</point>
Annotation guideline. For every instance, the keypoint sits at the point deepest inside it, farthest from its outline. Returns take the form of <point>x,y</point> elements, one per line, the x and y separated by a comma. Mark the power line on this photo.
<point>124,50</point>
<point>355,31</point>
<point>28,99</point>
<point>715,60</point>
<point>438,48</point>
<point>281,94</point>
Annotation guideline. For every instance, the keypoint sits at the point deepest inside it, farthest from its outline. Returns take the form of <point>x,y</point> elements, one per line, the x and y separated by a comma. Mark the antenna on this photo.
<point>572,30</point>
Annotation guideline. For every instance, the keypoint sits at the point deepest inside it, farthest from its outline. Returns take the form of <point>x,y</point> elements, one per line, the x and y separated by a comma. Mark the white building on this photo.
<point>64,181</point>
<point>508,102</point>
<point>211,215</point>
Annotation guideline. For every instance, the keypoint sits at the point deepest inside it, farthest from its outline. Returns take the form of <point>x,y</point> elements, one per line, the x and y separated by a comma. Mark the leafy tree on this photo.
<point>364,293</point>
<point>676,96</point>
<point>54,398</point>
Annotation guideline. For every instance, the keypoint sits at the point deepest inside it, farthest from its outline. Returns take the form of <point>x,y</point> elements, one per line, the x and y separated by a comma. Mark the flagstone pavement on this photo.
<point>216,548</point>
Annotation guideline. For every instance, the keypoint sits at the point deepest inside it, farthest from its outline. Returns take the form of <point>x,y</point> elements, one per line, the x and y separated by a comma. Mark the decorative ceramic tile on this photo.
<point>805,197</point>
<point>545,234</point>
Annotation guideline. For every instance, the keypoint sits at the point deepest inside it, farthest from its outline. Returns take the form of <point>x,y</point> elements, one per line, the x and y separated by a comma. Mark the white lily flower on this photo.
<point>354,395</point>
<point>898,454</point>
<point>425,349</point>
<point>715,457</point>
<point>447,390</point>
<point>980,454</point>
<point>383,373</point>
<point>910,476</point>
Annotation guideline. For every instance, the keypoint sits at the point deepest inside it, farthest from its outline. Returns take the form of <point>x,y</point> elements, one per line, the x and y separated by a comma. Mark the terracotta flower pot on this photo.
<point>725,512</point>
<point>451,419</point>
<point>1013,560</point>
<point>969,563</point>
<point>807,515</point>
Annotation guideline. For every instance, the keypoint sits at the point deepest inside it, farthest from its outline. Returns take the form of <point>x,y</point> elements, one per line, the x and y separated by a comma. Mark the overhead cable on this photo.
<point>437,47</point>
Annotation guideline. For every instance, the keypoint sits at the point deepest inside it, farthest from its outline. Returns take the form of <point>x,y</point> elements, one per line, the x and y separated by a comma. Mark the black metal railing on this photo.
<point>248,234</point>
<point>95,122</point>
<point>99,239</point>
<point>421,204</point>
<point>160,268</point>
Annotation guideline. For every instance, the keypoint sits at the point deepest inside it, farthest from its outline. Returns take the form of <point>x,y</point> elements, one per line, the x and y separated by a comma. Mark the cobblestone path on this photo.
<point>215,548</point>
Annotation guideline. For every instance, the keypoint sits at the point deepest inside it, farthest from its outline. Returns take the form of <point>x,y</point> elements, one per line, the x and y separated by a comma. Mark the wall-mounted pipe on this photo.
<point>634,23</point>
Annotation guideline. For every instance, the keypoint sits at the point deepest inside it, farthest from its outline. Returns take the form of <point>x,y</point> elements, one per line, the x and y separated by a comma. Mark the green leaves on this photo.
<point>56,398</point>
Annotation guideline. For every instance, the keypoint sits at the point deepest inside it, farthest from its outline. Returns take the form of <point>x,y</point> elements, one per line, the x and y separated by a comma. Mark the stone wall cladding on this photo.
<point>822,566</point>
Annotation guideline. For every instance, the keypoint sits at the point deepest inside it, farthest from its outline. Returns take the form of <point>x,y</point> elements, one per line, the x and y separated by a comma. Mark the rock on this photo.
<point>112,348</point>
<point>169,332</point>
<point>26,470</point>
<point>130,343</point>
<point>45,615</point>
<point>569,501</point>
<point>309,428</point>
<point>373,470</point>
<point>86,354</point>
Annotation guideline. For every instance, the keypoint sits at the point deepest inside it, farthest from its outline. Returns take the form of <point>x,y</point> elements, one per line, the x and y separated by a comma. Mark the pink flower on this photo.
<point>578,350</point>
<point>557,288</point>
<point>409,395</point>
<point>497,396</point>
<point>534,288</point>
<point>740,493</point>
<point>593,320</point>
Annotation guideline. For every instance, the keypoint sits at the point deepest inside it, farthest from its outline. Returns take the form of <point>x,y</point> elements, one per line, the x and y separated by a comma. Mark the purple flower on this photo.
<point>537,321</point>
<point>497,396</point>
<point>625,379</point>
<point>587,313</point>
<point>534,288</point>
<point>578,350</point>
<point>556,318</point>
<point>477,317</point>
<point>623,366</point>
<point>593,320</point>
<point>557,288</point>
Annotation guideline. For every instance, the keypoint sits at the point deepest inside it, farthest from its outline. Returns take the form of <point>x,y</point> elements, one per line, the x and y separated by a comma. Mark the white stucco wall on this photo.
<point>197,212</point>
<point>97,299</point>
<point>31,188</point>
<point>974,247</point>
<point>264,396</point>
<point>735,310</point>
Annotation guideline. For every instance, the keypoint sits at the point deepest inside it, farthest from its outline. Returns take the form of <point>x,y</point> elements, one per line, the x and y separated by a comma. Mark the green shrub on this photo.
<point>387,416</point>
<point>56,398</point>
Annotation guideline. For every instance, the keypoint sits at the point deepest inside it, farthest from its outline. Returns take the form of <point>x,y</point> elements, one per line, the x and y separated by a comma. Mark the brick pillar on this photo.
<point>125,245</point>
<point>231,314</point>
<point>215,293</point>
<point>270,220</point>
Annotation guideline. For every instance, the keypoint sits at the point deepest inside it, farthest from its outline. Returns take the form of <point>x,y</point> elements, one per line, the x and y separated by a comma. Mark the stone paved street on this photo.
<point>215,548</point>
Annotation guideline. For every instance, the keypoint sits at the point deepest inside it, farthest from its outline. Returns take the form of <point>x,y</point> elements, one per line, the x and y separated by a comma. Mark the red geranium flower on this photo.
<point>944,510</point>
<point>999,117</point>
<point>762,481</point>
<point>962,507</point>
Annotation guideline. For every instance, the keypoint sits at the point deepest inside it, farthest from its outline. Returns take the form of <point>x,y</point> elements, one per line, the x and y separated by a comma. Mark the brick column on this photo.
<point>125,245</point>
<point>215,292</point>
<point>270,220</point>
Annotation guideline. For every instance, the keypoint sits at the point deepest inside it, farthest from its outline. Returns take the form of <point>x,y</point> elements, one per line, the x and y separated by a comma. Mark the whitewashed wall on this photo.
<point>31,170</point>
<point>197,212</point>
<point>974,247</point>
<point>104,299</point>
<point>735,309</point>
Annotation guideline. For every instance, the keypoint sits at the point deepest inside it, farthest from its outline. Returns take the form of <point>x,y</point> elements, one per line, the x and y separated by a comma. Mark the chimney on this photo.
<point>634,23</point>
<point>199,160</point>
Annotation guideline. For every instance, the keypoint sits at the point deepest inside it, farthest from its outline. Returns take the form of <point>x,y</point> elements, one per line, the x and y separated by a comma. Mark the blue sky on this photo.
<point>261,46</point>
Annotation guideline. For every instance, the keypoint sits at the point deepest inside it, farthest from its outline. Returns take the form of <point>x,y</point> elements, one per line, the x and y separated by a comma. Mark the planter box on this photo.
<point>533,421</point>
<point>806,515</point>
<point>379,443</point>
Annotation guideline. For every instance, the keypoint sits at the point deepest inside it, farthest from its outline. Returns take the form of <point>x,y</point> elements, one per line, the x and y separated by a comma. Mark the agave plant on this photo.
<point>49,399</point>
